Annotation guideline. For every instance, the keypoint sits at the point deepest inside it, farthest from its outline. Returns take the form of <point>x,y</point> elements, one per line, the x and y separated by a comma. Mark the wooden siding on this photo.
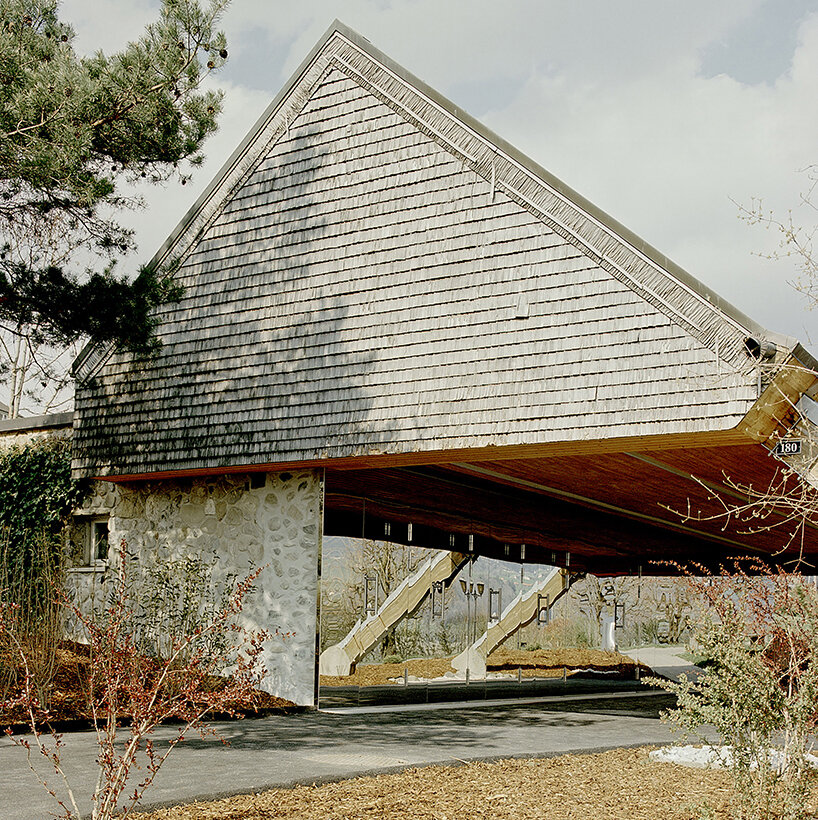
<point>366,289</point>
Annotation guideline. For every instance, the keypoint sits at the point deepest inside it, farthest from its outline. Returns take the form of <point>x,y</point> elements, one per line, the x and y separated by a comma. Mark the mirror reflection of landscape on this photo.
<point>416,623</point>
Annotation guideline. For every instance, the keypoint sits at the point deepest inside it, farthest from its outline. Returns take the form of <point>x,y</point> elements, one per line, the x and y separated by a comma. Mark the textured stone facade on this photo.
<point>237,523</point>
<point>16,435</point>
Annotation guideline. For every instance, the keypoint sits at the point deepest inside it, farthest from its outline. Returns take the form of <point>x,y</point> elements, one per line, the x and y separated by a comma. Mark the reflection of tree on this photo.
<point>670,603</point>
<point>600,595</point>
<point>655,608</point>
<point>338,610</point>
<point>389,564</point>
<point>445,640</point>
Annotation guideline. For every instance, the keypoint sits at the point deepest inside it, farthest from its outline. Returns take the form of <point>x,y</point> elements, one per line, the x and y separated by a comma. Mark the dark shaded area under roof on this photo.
<point>618,513</point>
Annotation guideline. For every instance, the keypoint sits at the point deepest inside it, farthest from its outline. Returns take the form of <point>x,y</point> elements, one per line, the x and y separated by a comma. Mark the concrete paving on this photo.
<point>320,746</point>
<point>665,661</point>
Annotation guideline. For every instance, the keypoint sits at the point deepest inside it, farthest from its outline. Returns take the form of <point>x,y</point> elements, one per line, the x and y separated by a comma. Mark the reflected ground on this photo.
<point>543,629</point>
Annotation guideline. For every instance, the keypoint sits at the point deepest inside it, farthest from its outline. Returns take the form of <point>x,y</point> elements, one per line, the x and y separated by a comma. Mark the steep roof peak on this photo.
<point>683,298</point>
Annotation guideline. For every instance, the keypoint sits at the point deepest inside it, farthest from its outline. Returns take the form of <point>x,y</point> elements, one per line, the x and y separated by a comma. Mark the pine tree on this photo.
<point>73,129</point>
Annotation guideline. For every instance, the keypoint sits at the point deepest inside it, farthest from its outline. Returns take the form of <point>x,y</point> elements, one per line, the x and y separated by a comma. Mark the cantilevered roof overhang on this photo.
<point>615,506</point>
<point>378,286</point>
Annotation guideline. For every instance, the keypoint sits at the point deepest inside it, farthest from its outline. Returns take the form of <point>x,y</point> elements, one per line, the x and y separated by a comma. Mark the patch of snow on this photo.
<point>453,676</point>
<point>597,671</point>
<point>713,757</point>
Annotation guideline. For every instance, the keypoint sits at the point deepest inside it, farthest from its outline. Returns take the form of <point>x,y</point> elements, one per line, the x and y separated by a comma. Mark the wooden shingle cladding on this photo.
<point>373,275</point>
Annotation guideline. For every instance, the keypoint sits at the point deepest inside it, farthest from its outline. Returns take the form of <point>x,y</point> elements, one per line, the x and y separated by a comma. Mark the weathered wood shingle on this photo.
<point>372,283</point>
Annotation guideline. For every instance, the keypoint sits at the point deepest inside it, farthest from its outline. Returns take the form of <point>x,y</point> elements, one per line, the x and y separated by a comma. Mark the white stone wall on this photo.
<point>19,438</point>
<point>238,527</point>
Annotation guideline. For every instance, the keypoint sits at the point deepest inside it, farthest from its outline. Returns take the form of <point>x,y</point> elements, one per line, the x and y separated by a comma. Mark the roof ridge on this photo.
<point>715,322</point>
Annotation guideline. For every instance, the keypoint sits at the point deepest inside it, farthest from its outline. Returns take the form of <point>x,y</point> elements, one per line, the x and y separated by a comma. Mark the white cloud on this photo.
<point>107,26</point>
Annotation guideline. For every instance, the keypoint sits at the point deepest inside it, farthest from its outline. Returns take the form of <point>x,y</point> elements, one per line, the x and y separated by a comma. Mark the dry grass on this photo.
<point>376,674</point>
<point>617,785</point>
<point>534,663</point>
<point>542,663</point>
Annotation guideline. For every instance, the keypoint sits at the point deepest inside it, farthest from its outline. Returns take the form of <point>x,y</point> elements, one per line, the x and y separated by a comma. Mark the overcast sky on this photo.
<point>663,114</point>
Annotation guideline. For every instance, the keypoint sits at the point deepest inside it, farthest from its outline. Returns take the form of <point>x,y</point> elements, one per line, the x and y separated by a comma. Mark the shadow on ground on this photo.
<point>317,730</point>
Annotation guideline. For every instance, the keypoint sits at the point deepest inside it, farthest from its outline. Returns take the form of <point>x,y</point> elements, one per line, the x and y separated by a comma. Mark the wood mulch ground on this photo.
<point>541,663</point>
<point>69,695</point>
<point>617,785</point>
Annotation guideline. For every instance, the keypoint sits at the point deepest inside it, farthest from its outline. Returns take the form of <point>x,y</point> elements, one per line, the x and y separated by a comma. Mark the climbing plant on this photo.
<point>37,495</point>
<point>37,492</point>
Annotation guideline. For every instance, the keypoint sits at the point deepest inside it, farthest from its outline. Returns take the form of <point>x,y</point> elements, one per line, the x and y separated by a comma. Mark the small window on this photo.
<point>98,541</point>
<point>89,542</point>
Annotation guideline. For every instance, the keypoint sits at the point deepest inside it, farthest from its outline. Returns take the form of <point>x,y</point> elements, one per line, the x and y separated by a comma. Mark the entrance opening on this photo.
<point>409,624</point>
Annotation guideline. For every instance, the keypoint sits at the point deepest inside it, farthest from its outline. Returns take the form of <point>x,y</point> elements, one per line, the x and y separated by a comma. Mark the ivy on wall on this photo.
<point>37,494</point>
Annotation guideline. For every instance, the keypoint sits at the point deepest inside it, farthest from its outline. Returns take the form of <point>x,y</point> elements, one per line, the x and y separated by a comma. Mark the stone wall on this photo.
<point>236,524</point>
<point>19,432</point>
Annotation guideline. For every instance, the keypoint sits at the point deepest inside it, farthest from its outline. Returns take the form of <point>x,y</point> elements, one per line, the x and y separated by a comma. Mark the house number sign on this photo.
<point>792,447</point>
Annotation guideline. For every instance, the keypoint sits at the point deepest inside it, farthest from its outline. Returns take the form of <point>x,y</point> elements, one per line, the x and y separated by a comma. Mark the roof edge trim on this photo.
<point>566,191</point>
<point>656,442</point>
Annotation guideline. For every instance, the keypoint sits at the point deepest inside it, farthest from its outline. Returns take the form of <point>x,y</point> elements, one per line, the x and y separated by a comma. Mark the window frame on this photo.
<point>89,526</point>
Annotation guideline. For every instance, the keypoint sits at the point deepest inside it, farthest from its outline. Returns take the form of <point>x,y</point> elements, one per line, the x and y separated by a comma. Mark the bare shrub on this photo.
<point>28,580</point>
<point>208,663</point>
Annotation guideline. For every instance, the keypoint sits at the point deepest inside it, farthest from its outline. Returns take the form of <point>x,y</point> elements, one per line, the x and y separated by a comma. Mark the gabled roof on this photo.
<point>375,272</point>
<point>623,253</point>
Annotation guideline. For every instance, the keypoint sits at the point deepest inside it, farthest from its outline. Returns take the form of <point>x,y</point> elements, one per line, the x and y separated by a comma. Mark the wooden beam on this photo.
<point>556,449</point>
<point>771,417</point>
<point>513,515</point>
<point>595,503</point>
